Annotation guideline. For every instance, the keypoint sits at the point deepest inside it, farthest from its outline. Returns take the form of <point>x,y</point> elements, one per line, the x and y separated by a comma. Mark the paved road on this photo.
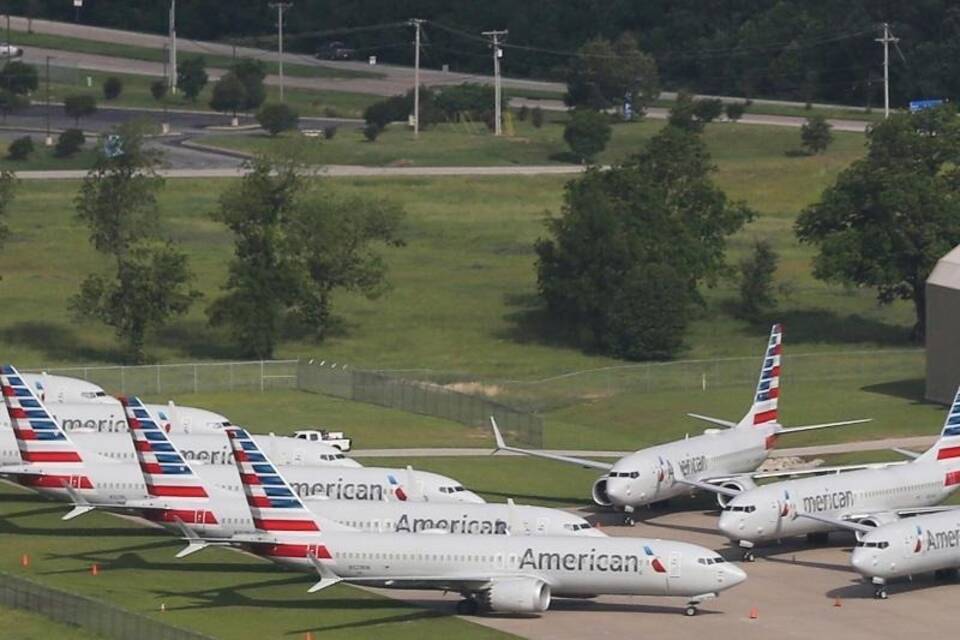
<point>819,450</point>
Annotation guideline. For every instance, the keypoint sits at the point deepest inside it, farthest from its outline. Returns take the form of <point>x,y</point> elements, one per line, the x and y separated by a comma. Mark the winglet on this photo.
<point>327,577</point>
<point>194,543</point>
<point>81,505</point>
<point>497,435</point>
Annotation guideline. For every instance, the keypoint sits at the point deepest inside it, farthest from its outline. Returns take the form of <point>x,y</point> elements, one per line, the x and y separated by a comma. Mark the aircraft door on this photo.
<point>674,564</point>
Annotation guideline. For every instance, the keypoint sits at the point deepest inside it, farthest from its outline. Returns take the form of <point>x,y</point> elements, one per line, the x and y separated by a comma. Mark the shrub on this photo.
<point>19,77</point>
<point>815,134</point>
<point>371,132</point>
<point>78,106</point>
<point>523,113</point>
<point>393,109</point>
<point>229,95</point>
<point>536,117</point>
<point>277,117</point>
<point>21,148</point>
<point>587,133</point>
<point>329,132</point>
<point>707,109</point>
<point>112,88</point>
<point>158,89</point>
<point>331,112</point>
<point>69,142</point>
<point>735,111</point>
<point>756,280</point>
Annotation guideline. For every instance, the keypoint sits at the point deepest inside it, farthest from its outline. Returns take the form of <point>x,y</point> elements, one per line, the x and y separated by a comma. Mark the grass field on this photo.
<point>136,93</point>
<point>221,593</point>
<point>22,625</point>
<point>134,52</point>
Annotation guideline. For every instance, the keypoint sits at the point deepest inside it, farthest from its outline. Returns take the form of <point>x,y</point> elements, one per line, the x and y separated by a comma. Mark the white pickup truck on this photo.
<point>10,51</point>
<point>333,438</point>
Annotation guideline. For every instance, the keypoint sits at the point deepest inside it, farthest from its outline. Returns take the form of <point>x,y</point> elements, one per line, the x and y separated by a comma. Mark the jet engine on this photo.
<point>599,492</point>
<point>739,485</point>
<point>876,520</point>
<point>524,595</point>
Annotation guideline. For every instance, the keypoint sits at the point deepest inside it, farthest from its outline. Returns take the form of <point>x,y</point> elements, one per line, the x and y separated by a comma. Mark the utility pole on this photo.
<point>280,7</point>
<point>497,54</point>
<point>173,46</point>
<point>886,40</point>
<point>416,22</point>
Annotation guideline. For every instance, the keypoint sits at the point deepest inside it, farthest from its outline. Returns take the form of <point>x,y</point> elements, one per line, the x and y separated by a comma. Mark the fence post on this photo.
<point>195,389</point>
<point>158,378</point>
<point>123,380</point>
<point>261,376</point>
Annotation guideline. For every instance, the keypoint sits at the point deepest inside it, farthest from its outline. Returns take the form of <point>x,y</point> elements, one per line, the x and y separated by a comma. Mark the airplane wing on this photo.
<point>851,521</point>
<point>583,462</point>
<point>838,522</point>
<point>715,488</point>
<point>825,425</point>
<point>913,455</point>
<point>815,470</point>
<point>717,421</point>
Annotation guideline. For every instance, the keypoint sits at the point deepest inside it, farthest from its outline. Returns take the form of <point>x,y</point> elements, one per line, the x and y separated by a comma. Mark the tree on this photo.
<point>756,280</point>
<point>656,215</point>
<point>251,74</point>
<point>78,106</point>
<point>371,132</point>
<point>112,88</point>
<point>19,77</point>
<point>8,185</point>
<point>151,286</point>
<point>587,133</point>
<point>735,111</point>
<point>11,102</point>
<point>693,114</point>
<point>229,95</point>
<point>277,117</point>
<point>192,76</point>
<point>536,117</point>
<point>20,149</point>
<point>815,134</point>
<point>604,74</point>
<point>890,216</point>
<point>69,142</point>
<point>707,110</point>
<point>293,248</point>
<point>158,89</point>
<point>150,282</point>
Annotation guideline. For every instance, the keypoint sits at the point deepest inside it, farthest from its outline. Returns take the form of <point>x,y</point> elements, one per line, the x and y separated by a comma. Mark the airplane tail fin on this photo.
<point>274,504</point>
<point>40,436</point>
<point>947,448</point>
<point>764,409</point>
<point>166,473</point>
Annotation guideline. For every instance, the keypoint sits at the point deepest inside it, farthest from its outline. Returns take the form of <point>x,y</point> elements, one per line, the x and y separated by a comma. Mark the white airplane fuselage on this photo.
<point>921,544</point>
<point>769,512</point>
<point>647,476</point>
<point>570,565</point>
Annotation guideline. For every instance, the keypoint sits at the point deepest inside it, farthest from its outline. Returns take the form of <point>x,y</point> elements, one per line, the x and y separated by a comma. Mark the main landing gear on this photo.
<point>468,607</point>
<point>690,611</point>
<point>748,555</point>
<point>880,593</point>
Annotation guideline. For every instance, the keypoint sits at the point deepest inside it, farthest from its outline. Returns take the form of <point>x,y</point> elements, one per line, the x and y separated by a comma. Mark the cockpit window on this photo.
<point>709,561</point>
<point>454,489</point>
<point>741,508</point>
<point>883,544</point>
<point>577,526</point>
<point>623,474</point>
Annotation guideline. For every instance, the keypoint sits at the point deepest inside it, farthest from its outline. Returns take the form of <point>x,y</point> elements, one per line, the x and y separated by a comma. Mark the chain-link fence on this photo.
<point>425,398</point>
<point>95,616</point>
<point>158,379</point>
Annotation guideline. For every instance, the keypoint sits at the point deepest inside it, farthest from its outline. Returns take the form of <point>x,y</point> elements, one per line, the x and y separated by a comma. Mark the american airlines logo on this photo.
<point>943,539</point>
<point>406,524</point>
<point>108,425</point>
<point>209,456</point>
<point>339,490</point>
<point>593,561</point>
<point>828,501</point>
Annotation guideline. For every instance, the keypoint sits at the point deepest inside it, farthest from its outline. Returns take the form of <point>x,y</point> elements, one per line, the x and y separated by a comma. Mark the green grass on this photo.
<point>473,144</point>
<point>23,625</point>
<point>43,159</point>
<point>136,93</point>
<point>221,593</point>
<point>134,52</point>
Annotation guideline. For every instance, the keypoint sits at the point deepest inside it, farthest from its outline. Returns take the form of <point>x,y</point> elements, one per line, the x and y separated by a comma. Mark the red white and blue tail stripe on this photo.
<point>273,503</point>
<point>166,473</point>
<point>765,401</point>
<point>40,437</point>
<point>947,448</point>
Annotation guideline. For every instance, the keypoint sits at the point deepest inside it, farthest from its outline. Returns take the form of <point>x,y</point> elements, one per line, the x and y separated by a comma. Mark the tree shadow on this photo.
<point>58,342</point>
<point>910,389</point>
<point>797,153</point>
<point>567,157</point>
<point>823,326</point>
<point>195,338</point>
<point>530,322</point>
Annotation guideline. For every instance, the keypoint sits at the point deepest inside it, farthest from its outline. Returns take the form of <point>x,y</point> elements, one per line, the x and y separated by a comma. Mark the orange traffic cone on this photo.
<point>94,569</point>
<point>308,635</point>
<point>754,613</point>
<point>836,602</point>
<point>25,560</point>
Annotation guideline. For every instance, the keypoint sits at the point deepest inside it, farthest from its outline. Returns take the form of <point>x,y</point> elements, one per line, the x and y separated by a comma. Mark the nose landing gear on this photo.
<point>880,593</point>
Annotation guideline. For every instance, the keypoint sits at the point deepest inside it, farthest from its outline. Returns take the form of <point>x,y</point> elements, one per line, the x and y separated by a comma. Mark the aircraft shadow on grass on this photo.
<point>130,560</point>
<point>8,526</point>
<point>398,619</point>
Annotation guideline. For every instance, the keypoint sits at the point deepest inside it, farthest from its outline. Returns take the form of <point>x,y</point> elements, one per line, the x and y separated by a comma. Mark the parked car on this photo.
<point>335,51</point>
<point>335,439</point>
<point>10,51</point>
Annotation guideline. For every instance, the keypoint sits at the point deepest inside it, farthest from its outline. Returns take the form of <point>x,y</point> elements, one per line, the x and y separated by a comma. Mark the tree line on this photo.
<point>794,49</point>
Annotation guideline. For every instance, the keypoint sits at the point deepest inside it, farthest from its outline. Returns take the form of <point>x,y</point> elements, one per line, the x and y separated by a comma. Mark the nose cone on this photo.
<point>350,462</point>
<point>733,575</point>
<point>470,497</point>
<point>730,525</point>
<point>861,561</point>
<point>618,492</point>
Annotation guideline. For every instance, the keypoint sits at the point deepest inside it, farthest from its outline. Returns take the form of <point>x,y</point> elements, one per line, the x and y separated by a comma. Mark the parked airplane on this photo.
<point>725,457</point>
<point>52,389</point>
<point>53,464</point>
<point>210,511</point>
<point>872,496</point>
<point>501,573</point>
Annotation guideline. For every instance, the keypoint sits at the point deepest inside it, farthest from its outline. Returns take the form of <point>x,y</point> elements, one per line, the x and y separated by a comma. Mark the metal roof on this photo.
<point>947,272</point>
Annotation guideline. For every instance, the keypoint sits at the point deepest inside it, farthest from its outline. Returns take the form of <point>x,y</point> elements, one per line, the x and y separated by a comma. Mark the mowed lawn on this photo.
<point>218,592</point>
<point>23,625</point>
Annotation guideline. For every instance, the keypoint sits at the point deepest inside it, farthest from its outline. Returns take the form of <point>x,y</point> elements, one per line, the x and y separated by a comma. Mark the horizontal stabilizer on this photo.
<point>717,421</point>
<point>825,425</point>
